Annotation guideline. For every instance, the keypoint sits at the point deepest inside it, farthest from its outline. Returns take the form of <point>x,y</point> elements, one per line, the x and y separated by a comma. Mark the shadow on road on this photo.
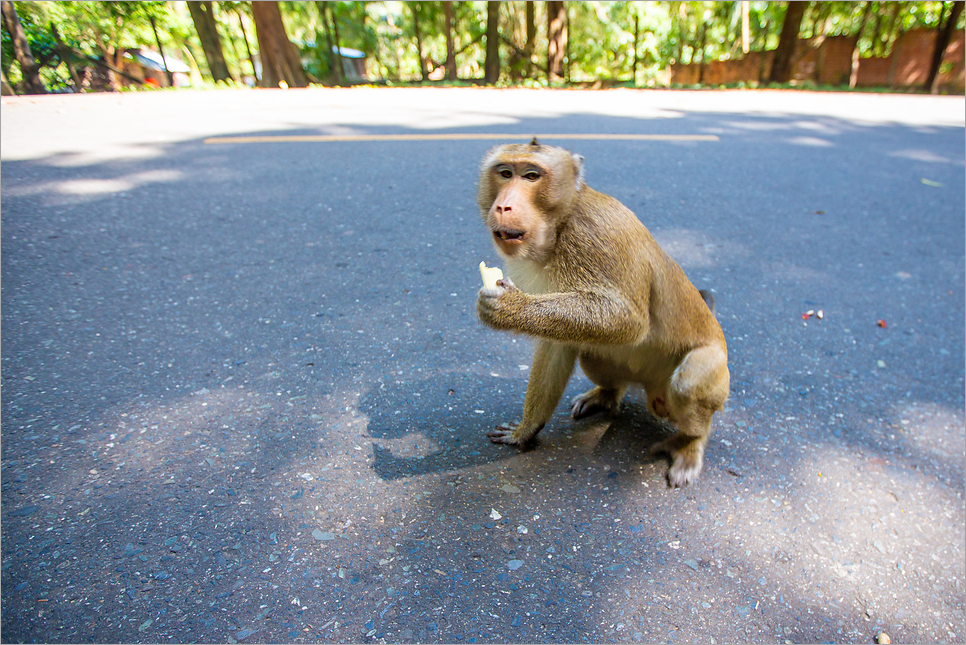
<point>246,397</point>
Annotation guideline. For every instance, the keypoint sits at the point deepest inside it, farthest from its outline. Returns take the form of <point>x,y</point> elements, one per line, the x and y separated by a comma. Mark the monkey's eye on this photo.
<point>531,175</point>
<point>506,173</point>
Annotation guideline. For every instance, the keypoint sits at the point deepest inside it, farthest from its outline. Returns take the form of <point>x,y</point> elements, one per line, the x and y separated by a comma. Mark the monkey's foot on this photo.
<point>687,458</point>
<point>596,400</point>
<point>511,434</point>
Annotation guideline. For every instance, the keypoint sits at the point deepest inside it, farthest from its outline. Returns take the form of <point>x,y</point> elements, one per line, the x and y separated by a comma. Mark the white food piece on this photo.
<point>490,275</point>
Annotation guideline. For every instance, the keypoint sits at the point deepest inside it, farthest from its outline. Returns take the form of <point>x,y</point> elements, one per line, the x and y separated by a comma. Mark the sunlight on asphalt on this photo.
<point>130,125</point>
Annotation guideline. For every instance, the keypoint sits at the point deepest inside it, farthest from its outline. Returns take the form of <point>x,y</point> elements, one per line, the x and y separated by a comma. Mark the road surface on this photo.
<point>245,392</point>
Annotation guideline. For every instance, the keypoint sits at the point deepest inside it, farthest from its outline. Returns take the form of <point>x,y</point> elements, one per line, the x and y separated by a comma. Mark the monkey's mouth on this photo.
<point>508,234</point>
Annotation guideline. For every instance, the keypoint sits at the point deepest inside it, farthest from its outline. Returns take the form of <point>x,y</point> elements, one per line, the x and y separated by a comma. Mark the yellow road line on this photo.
<point>328,138</point>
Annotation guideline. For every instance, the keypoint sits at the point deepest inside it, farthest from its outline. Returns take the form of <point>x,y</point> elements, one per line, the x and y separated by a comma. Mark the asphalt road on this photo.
<point>245,394</point>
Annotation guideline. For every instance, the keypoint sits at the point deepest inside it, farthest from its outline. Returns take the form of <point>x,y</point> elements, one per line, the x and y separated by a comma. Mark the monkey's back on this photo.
<point>612,245</point>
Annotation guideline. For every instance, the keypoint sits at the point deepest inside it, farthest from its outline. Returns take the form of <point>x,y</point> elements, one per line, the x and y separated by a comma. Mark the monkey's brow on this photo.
<point>522,165</point>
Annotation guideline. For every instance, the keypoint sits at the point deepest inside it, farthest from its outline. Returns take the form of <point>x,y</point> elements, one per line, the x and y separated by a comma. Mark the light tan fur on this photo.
<point>595,286</point>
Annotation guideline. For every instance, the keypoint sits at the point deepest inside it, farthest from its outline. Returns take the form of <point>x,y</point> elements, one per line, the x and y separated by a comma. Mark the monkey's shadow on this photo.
<point>623,440</point>
<point>439,424</point>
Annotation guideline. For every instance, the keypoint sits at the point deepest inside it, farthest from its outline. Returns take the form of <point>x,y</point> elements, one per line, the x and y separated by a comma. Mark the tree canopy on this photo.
<point>83,46</point>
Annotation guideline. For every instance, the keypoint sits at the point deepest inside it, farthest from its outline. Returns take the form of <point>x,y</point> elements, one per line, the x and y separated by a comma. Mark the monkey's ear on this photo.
<point>535,143</point>
<point>579,167</point>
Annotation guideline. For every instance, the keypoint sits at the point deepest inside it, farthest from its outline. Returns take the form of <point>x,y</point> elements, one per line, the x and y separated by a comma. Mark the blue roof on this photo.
<point>153,61</point>
<point>348,53</point>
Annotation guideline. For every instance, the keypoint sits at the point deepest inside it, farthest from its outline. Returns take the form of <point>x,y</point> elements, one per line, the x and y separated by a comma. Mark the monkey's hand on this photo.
<point>496,304</point>
<point>513,434</point>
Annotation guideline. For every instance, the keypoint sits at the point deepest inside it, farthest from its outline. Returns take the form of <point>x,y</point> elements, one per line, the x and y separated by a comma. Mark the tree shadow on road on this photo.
<point>299,327</point>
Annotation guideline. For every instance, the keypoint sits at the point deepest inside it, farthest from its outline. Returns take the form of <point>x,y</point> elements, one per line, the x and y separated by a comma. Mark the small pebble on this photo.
<point>883,638</point>
<point>24,511</point>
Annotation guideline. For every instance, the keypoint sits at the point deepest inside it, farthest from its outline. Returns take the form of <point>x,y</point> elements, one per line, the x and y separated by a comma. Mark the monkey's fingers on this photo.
<point>504,433</point>
<point>506,283</point>
<point>490,308</point>
<point>491,292</point>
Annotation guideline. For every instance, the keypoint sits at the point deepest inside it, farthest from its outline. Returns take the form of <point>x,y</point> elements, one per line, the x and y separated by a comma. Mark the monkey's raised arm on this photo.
<point>569,317</point>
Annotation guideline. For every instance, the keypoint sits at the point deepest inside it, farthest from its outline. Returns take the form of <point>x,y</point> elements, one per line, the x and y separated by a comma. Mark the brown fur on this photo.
<point>595,286</point>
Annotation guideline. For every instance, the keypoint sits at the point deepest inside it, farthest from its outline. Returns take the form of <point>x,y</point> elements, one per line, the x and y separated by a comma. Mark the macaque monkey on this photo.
<point>589,283</point>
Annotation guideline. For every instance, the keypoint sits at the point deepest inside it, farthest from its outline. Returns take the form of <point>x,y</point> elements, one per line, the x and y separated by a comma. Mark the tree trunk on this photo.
<point>280,60</point>
<point>557,39</point>
<point>704,41</point>
<point>745,41</point>
<point>491,65</point>
<point>450,47</point>
<point>943,36</point>
<point>334,57</point>
<point>29,68</point>
<point>531,27</point>
<point>238,58</point>
<point>248,47</point>
<point>637,33</point>
<point>684,33</point>
<point>202,14</point>
<point>419,41</point>
<point>531,37</point>
<point>782,67</point>
<point>66,55</point>
<point>854,73</point>
<point>164,61</point>
<point>338,43</point>
<point>567,58</point>
<point>5,89</point>
<point>111,73</point>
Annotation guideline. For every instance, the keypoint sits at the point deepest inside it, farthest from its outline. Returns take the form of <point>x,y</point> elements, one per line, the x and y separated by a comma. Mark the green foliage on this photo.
<point>886,21</point>
<point>92,29</point>
<point>96,27</point>
<point>602,46</point>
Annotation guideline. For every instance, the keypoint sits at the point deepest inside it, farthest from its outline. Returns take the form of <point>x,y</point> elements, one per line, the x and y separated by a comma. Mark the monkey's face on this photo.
<point>525,190</point>
<point>514,217</point>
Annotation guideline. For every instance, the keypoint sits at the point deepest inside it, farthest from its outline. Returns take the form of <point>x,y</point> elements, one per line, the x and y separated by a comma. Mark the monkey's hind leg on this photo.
<point>697,390</point>
<point>687,457</point>
<point>597,399</point>
<point>553,363</point>
<point>606,396</point>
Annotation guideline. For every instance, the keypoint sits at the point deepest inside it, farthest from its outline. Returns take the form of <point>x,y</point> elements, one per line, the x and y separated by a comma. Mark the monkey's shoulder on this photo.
<point>601,206</point>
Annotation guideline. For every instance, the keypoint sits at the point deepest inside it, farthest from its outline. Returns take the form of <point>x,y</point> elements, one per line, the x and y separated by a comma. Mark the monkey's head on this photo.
<point>526,192</point>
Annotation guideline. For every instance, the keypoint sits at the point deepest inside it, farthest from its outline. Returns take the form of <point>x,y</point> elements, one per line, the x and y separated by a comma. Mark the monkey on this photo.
<point>587,281</point>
